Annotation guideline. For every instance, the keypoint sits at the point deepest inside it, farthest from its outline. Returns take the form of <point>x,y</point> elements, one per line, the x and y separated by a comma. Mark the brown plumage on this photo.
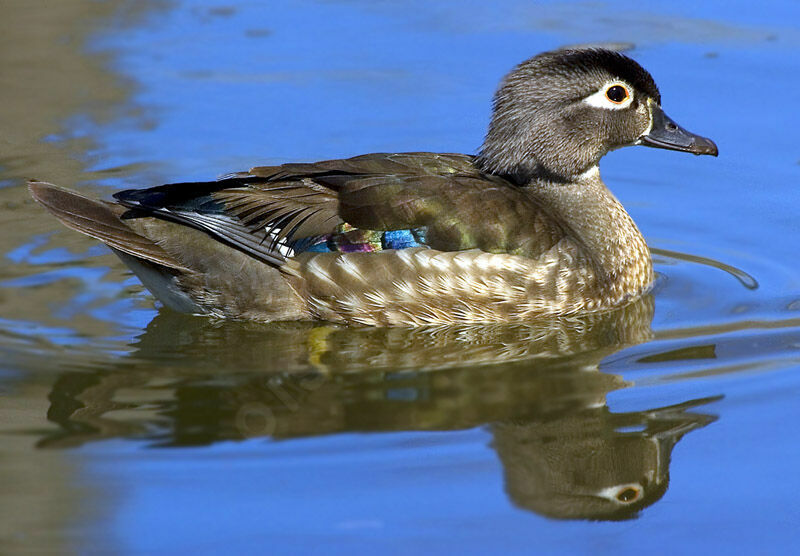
<point>525,229</point>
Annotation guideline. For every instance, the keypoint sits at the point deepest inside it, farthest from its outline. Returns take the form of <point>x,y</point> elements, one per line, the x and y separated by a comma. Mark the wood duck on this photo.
<point>525,229</point>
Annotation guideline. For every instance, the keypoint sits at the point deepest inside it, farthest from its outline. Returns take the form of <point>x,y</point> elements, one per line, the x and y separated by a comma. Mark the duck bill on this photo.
<point>666,134</point>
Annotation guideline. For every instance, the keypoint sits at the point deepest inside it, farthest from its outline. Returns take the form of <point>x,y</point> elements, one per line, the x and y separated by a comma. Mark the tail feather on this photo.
<point>100,220</point>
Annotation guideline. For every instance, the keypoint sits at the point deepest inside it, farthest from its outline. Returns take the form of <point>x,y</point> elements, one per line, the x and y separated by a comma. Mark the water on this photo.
<point>128,428</point>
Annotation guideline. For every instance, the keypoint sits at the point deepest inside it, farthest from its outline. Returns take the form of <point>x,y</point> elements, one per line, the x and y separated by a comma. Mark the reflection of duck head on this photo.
<point>235,380</point>
<point>592,463</point>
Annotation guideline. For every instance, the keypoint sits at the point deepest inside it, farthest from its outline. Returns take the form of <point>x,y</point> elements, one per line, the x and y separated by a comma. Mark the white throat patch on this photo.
<point>591,173</point>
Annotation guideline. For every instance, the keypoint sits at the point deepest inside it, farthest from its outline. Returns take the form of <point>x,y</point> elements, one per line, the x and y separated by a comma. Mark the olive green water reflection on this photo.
<point>537,386</point>
<point>48,80</point>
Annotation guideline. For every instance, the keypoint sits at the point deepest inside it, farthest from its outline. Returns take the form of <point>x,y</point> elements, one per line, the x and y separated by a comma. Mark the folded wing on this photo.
<point>273,212</point>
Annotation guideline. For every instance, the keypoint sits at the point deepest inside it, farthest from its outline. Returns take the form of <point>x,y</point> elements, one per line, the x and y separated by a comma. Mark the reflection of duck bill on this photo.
<point>594,464</point>
<point>676,422</point>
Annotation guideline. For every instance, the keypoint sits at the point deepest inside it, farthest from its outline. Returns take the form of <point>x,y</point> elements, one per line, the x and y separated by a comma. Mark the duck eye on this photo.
<point>617,94</point>
<point>628,494</point>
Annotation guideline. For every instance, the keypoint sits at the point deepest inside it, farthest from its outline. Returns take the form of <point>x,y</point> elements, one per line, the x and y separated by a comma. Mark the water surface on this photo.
<point>668,425</point>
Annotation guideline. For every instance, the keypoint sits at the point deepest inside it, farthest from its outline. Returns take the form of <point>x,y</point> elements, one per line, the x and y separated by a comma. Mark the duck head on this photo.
<point>558,113</point>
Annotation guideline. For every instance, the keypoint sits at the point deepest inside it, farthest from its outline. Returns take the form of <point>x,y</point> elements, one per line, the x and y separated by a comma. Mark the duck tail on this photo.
<point>196,284</point>
<point>100,220</point>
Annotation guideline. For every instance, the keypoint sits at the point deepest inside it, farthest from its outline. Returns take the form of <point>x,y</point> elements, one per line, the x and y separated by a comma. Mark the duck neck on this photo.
<point>603,229</point>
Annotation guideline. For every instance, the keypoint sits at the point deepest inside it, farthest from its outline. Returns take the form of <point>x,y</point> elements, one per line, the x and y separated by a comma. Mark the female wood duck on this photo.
<point>524,229</point>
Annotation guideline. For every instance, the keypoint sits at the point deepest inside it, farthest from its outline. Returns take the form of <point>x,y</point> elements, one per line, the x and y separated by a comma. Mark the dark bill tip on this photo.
<point>666,134</point>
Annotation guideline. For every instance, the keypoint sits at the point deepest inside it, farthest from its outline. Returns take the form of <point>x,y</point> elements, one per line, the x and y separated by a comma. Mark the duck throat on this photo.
<point>518,172</point>
<point>602,228</point>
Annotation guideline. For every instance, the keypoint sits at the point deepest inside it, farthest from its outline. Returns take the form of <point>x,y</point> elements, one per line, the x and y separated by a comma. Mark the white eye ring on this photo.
<point>623,494</point>
<point>600,99</point>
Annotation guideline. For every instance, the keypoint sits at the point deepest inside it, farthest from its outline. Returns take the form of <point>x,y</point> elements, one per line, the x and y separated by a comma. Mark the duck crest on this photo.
<point>526,229</point>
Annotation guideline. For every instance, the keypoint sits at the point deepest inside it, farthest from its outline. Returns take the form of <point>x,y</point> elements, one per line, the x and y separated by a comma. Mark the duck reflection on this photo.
<point>590,463</point>
<point>538,387</point>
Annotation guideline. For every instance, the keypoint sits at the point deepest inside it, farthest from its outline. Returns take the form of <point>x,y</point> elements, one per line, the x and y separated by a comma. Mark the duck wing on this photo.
<point>270,211</point>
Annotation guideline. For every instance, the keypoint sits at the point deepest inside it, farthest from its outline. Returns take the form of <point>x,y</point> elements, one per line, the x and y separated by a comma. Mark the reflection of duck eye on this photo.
<point>628,494</point>
<point>617,94</point>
